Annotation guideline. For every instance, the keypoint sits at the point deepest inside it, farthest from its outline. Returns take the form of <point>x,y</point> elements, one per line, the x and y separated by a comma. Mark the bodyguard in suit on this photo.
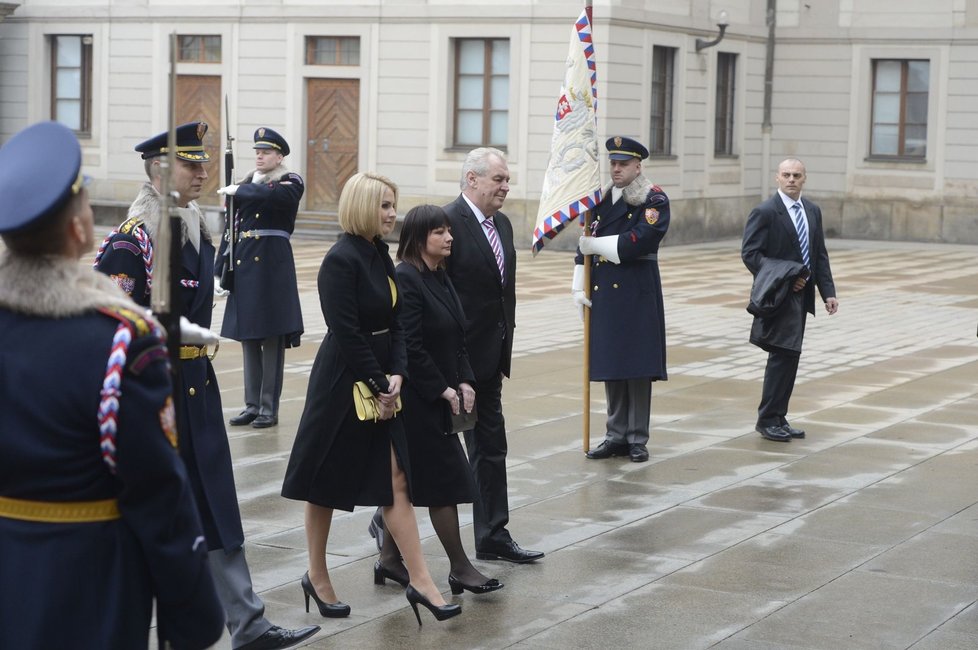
<point>626,296</point>
<point>482,269</point>
<point>786,227</point>
<point>97,517</point>
<point>263,309</point>
<point>127,256</point>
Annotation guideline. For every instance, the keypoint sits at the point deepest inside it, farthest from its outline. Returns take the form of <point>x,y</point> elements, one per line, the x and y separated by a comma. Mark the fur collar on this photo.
<point>276,175</point>
<point>56,287</point>
<point>147,207</point>
<point>635,193</point>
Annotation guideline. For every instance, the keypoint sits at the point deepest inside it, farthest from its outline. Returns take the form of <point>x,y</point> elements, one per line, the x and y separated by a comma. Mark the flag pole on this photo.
<point>586,420</point>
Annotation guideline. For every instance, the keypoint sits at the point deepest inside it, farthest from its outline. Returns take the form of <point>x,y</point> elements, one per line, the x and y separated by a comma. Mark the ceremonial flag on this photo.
<point>572,185</point>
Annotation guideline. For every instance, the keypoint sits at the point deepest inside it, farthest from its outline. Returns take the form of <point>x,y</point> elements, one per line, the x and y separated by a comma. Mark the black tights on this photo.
<point>445,521</point>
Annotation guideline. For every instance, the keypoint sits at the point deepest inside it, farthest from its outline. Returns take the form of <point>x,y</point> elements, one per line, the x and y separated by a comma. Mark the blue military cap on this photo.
<point>266,138</point>
<point>40,169</point>
<point>620,148</point>
<point>190,143</point>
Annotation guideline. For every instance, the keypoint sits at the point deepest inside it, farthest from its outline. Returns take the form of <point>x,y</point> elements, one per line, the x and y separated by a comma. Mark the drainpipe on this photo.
<point>766,126</point>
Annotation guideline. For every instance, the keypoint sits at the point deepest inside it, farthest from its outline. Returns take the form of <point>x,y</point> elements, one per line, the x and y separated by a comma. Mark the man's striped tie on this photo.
<point>497,248</point>
<point>801,225</point>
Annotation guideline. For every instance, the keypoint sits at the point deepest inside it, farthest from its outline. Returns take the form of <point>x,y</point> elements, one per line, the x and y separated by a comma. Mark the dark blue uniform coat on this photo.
<point>265,299</point>
<point>337,461</point>
<point>434,329</point>
<point>628,329</point>
<point>204,442</point>
<point>91,585</point>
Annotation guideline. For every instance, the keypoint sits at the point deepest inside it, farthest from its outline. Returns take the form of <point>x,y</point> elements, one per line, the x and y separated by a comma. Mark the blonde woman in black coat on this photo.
<point>440,385</point>
<point>337,460</point>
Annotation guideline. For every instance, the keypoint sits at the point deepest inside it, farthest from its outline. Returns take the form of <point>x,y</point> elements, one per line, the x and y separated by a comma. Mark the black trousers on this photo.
<point>486,445</point>
<point>779,382</point>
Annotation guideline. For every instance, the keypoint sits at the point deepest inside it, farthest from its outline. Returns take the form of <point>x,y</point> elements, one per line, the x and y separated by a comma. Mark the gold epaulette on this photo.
<point>131,317</point>
<point>130,224</point>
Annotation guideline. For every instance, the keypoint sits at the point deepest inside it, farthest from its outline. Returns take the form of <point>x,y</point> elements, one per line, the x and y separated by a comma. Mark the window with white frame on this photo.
<point>481,92</point>
<point>900,97</point>
<point>71,81</point>
<point>663,82</point>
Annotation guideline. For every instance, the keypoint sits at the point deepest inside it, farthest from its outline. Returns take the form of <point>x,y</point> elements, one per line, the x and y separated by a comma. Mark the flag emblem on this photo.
<point>168,421</point>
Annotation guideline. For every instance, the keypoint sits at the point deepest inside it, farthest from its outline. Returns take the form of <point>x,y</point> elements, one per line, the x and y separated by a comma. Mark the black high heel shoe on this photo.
<point>458,586</point>
<point>415,597</point>
<point>329,610</point>
<point>381,572</point>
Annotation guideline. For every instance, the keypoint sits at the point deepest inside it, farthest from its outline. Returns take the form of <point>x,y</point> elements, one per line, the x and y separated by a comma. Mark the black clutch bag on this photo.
<point>463,421</point>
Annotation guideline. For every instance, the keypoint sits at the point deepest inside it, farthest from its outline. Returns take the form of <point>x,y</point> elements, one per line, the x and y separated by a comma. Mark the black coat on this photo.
<point>490,306</point>
<point>204,441</point>
<point>434,330</point>
<point>337,461</point>
<point>770,235</point>
<point>92,585</point>
<point>628,327</point>
<point>265,299</point>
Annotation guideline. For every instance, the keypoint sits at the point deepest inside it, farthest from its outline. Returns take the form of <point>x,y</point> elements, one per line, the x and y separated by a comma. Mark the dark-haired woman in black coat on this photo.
<point>439,385</point>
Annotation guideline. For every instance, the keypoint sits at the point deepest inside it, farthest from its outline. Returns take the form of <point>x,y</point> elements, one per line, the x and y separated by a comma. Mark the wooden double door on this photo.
<point>199,100</point>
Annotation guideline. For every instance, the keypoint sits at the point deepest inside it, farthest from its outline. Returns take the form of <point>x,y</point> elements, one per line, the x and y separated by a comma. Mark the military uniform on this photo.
<point>263,309</point>
<point>628,339</point>
<point>127,256</point>
<point>96,513</point>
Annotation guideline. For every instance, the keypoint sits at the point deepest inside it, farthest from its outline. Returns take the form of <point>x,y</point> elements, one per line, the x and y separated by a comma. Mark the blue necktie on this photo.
<point>801,225</point>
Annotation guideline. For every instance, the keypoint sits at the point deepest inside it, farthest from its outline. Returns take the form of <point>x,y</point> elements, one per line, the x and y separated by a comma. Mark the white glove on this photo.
<point>577,290</point>
<point>193,334</point>
<point>606,247</point>
<point>230,190</point>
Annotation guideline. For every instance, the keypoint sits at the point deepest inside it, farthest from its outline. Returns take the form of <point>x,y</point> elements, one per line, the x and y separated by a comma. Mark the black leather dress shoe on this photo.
<point>607,450</point>
<point>638,452</point>
<point>510,552</point>
<point>264,421</point>
<point>775,433</point>
<point>791,431</point>
<point>242,418</point>
<point>279,637</point>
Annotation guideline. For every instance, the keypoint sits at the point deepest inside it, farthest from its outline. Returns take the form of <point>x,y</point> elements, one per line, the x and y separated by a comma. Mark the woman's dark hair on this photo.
<point>418,224</point>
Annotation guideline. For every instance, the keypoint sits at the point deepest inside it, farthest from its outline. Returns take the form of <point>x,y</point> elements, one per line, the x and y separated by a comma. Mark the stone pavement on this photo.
<point>862,535</point>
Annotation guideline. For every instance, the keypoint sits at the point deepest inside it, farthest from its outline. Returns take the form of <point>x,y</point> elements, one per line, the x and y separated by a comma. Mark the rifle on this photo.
<point>227,272</point>
<point>165,297</point>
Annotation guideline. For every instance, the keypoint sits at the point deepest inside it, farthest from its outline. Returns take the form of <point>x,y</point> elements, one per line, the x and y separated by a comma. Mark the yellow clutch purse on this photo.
<point>366,403</point>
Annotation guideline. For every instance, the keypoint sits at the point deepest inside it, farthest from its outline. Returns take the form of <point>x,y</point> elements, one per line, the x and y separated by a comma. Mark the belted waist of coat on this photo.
<point>263,232</point>
<point>190,352</point>
<point>379,332</point>
<point>59,512</point>
<point>651,257</point>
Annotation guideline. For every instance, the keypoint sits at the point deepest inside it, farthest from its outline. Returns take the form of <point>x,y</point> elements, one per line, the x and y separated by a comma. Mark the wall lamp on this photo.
<point>722,23</point>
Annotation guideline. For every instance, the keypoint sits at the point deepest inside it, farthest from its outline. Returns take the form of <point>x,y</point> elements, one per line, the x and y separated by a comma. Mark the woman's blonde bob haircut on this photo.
<point>359,210</point>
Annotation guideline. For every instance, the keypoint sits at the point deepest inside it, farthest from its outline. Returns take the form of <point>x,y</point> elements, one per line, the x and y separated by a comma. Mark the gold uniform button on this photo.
<point>595,288</point>
<point>192,391</point>
<point>615,285</point>
<point>629,216</point>
<point>207,382</point>
<point>257,215</point>
<point>256,258</point>
<point>239,262</point>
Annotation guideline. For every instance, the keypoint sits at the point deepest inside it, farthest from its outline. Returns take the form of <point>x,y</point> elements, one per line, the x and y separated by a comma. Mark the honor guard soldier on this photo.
<point>97,517</point>
<point>628,330</point>
<point>127,257</point>
<point>263,309</point>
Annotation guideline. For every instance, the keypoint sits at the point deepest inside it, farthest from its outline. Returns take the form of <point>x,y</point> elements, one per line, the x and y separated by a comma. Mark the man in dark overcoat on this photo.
<point>263,309</point>
<point>626,296</point>
<point>97,519</point>
<point>127,256</point>
<point>786,227</point>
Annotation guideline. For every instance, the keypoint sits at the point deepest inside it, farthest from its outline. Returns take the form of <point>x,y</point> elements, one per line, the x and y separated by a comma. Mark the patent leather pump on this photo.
<point>381,573</point>
<point>329,610</point>
<point>441,613</point>
<point>458,586</point>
